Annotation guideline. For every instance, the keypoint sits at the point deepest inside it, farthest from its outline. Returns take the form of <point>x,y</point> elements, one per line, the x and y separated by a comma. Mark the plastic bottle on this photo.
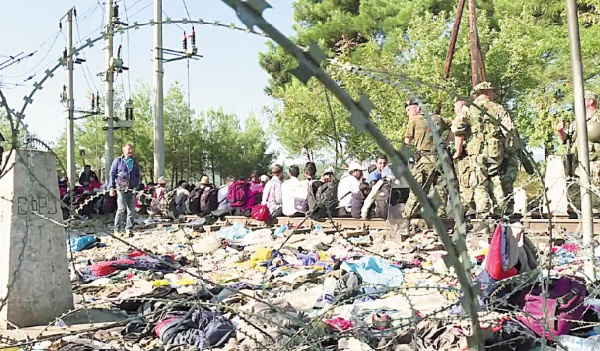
<point>576,343</point>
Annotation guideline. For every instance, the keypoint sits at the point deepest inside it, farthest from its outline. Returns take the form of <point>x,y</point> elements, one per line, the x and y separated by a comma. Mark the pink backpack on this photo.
<point>563,305</point>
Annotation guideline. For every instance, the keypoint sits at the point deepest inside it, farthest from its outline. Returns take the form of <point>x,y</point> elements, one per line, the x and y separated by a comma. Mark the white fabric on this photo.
<point>222,198</point>
<point>181,193</point>
<point>272,194</point>
<point>364,211</point>
<point>288,194</point>
<point>348,184</point>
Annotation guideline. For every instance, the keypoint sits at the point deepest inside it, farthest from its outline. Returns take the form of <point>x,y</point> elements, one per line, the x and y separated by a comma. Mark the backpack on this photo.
<point>237,194</point>
<point>168,206</point>
<point>193,201</point>
<point>564,306</point>
<point>327,200</point>
<point>382,200</point>
<point>209,199</point>
<point>313,187</point>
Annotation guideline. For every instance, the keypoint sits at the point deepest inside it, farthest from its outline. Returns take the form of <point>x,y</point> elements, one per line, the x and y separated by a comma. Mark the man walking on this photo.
<point>124,178</point>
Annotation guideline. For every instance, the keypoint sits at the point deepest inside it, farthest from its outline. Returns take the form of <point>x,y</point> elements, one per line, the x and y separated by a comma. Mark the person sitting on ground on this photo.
<point>264,179</point>
<point>222,195</point>
<point>160,191</point>
<point>327,175</point>
<point>359,198</point>
<point>272,194</point>
<point>84,177</point>
<point>181,195</point>
<point>382,169</point>
<point>237,196</point>
<point>292,195</point>
<point>349,188</point>
<point>312,184</point>
<point>255,191</point>
<point>93,184</point>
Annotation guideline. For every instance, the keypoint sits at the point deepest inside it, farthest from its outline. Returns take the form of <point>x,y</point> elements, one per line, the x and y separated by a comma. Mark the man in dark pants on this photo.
<point>124,178</point>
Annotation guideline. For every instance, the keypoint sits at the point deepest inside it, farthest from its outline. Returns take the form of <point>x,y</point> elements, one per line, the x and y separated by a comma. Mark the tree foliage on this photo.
<point>524,44</point>
<point>210,142</point>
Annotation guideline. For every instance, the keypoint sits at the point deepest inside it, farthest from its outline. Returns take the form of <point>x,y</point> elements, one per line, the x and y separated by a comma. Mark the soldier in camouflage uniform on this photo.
<point>485,151</point>
<point>592,115</point>
<point>419,135</point>
<point>462,132</point>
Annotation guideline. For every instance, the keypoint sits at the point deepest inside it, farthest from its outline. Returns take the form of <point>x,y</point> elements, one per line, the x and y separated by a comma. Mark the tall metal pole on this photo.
<point>70,103</point>
<point>582,137</point>
<point>159,127</point>
<point>109,140</point>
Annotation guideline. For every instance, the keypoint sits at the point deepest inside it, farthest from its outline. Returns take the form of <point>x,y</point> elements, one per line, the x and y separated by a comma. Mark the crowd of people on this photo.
<point>486,157</point>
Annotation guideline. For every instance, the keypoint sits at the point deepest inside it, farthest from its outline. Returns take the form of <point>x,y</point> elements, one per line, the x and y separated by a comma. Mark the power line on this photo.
<point>87,68</point>
<point>186,10</point>
<point>128,43</point>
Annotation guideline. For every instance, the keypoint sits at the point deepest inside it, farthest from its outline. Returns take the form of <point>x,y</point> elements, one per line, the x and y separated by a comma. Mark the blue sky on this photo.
<point>228,76</point>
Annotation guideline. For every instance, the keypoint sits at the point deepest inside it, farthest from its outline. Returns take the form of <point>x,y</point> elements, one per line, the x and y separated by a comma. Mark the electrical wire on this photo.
<point>128,55</point>
<point>85,64</point>
<point>186,10</point>
<point>37,65</point>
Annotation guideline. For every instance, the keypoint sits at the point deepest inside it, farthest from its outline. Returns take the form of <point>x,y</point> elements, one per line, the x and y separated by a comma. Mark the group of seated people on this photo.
<point>350,196</point>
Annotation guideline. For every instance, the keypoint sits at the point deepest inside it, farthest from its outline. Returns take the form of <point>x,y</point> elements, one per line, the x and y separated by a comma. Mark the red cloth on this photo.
<point>101,269</point>
<point>339,324</point>
<point>493,259</point>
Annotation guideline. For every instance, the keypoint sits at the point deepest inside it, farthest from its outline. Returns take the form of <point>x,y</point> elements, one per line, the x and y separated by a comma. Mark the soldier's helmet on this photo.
<point>593,128</point>
<point>483,86</point>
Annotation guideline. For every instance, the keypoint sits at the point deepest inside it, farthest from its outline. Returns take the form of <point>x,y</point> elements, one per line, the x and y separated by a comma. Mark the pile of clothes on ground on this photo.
<point>244,288</point>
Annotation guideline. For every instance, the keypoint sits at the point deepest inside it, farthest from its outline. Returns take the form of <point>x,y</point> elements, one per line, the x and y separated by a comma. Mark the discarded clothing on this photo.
<point>374,270</point>
<point>80,243</point>
<point>339,324</point>
<point>162,263</point>
<point>235,232</point>
<point>197,327</point>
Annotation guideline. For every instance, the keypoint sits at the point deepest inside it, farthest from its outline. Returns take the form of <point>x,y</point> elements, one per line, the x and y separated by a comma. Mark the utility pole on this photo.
<point>109,141</point>
<point>582,138</point>
<point>159,127</point>
<point>70,103</point>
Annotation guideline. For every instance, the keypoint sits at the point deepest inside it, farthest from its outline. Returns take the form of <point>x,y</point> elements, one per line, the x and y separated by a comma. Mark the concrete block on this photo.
<point>556,183</point>
<point>33,252</point>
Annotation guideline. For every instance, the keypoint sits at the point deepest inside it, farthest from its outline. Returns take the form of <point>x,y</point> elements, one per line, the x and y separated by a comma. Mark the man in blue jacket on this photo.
<point>124,178</point>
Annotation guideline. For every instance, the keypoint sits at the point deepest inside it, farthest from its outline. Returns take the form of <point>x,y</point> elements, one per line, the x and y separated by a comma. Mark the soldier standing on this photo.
<point>420,136</point>
<point>485,150</point>
<point>462,132</point>
<point>593,124</point>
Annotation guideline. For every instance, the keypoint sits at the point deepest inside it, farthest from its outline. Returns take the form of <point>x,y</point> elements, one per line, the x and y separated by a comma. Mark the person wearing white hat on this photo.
<point>349,185</point>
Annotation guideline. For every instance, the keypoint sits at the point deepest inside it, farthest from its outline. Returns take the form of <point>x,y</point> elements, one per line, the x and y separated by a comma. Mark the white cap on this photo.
<point>264,178</point>
<point>356,166</point>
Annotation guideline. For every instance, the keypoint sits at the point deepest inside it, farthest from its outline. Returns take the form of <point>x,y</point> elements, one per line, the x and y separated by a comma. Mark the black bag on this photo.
<point>193,201</point>
<point>327,201</point>
<point>382,200</point>
<point>313,187</point>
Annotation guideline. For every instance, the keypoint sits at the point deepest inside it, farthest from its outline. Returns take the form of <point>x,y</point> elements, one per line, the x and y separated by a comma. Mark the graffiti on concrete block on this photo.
<point>41,204</point>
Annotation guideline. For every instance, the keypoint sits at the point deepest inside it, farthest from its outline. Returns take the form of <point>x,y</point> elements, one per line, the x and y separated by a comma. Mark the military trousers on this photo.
<point>463,172</point>
<point>488,195</point>
<point>425,173</point>
<point>508,178</point>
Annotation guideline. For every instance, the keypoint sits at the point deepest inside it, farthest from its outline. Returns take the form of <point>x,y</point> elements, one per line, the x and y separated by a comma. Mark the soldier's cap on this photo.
<point>591,95</point>
<point>410,103</point>
<point>482,86</point>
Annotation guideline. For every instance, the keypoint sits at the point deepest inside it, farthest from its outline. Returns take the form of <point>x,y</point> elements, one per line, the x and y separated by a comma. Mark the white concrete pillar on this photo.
<point>34,277</point>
